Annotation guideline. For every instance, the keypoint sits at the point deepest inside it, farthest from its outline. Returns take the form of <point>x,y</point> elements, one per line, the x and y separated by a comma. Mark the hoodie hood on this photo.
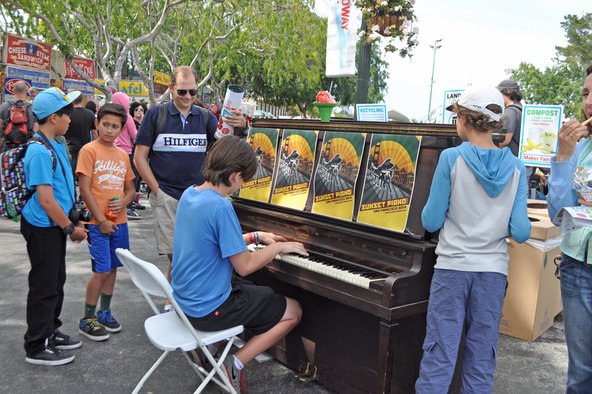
<point>493,168</point>
<point>123,100</point>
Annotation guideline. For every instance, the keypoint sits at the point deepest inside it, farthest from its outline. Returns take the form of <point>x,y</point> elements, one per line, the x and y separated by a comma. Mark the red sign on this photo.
<point>27,53</point>
<point>85,65</point>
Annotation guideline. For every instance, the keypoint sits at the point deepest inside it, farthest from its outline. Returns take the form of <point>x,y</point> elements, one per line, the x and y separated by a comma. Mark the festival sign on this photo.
<point>343,23</point>
<point>337,173</point>
<point>450,97</point>
<point>85,65</point>
<point>24,52</point>
<point>538,134</point>
<point>294,168</point>
<point>69,85</point>
<point>161,78</point>
<point>133,88</point>
<point>39,79</point>
<point>264,144</point>
<point>389,181</point>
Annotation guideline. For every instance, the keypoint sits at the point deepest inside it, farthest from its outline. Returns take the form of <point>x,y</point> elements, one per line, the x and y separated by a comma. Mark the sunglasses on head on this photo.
<point>183,92</point>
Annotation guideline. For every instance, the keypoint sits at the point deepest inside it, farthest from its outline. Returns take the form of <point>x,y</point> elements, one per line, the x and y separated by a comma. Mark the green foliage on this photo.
<point>561,83</point>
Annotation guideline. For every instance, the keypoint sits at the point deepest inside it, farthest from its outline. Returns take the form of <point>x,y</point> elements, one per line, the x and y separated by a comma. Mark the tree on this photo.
<point>562,82</point>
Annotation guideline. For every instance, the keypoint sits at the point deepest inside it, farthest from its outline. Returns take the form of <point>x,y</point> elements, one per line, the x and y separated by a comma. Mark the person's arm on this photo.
<point>246,263</point>
<point>143,167</point>
<point>435,210</point>
<point>263,237</point>
<point>561,193</point>
<point>519,226</point>
<point>56,213</point>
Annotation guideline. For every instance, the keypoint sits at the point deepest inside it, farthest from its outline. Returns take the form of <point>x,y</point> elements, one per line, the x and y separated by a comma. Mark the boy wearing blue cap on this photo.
<point>45,225</point>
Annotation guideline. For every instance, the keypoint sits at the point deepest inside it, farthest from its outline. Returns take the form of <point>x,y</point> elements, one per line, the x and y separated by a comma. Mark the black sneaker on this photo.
<point>50,356</point>
<point>92,330</point>
<point>62,341</point>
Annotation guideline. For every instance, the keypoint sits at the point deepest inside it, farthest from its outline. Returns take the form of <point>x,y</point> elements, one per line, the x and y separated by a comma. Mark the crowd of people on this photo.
<point>477,200</point>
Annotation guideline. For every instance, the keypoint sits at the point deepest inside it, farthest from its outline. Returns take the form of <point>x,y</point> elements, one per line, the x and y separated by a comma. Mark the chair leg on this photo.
<point>216,364</point>
<point>150,371</point>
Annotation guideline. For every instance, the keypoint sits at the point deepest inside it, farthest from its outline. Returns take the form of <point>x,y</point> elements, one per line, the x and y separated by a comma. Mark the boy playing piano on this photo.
<point>209,246</point>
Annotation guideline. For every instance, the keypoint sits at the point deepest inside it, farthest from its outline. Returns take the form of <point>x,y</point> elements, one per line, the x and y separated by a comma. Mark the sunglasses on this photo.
<point>183,92</point>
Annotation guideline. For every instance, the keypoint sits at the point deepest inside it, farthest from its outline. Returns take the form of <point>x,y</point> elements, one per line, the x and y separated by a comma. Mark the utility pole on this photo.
<point>435,47</point>
<point>363,70</point>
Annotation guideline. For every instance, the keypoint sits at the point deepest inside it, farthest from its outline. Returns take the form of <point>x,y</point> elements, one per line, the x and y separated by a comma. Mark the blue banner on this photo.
<point>69,85</point>
<point>38,79</point>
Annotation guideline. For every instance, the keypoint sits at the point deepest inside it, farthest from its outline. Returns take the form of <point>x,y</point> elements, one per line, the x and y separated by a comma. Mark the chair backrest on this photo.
<point>151,281</point>
<point>146,276</point>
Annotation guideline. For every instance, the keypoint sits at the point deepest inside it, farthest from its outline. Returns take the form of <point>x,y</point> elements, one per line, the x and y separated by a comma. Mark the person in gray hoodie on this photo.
<point>477,200</point>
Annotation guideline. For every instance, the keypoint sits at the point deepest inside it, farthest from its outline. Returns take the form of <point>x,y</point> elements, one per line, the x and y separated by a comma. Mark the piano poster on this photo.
<point>264,143</point>
<point>294,169</point>
<point>389,181</point>
<point>337,173</point>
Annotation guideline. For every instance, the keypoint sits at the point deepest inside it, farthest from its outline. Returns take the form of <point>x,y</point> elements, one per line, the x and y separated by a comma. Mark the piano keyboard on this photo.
<point>335,269</point>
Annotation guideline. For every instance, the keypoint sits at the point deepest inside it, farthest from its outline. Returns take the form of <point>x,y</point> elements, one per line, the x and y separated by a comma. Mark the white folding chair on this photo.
<point>172,331</point>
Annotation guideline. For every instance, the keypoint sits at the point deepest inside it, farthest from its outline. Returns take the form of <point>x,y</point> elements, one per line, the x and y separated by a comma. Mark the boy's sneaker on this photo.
<point>133,215</point>
<point>106,319</point>
<point>91,329</point>
<point>50,356</point>
<point>62,341</point>
<point>137,205</point>
<point>236,378</point>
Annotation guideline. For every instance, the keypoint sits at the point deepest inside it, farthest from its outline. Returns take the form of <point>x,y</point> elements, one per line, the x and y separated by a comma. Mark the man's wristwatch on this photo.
<point>69,229</point>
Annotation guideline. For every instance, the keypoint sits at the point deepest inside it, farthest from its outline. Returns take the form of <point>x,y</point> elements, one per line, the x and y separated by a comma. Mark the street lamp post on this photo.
<point>435,47</point>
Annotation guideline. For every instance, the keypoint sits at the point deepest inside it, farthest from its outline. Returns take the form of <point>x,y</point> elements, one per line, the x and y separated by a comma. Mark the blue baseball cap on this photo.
<point>51,101</point>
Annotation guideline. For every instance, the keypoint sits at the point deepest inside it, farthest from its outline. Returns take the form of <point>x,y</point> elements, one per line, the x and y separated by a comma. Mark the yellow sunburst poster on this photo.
<point>294,168</point>
<point>264,143</point>
<point>389,181</point>
<point>337,173</point>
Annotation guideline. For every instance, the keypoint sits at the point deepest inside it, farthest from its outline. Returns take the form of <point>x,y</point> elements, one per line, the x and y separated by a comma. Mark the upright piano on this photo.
<point>363,289</point>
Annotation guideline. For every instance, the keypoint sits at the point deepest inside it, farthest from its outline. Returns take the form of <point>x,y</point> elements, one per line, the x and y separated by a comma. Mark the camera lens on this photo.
<point>86,215</point>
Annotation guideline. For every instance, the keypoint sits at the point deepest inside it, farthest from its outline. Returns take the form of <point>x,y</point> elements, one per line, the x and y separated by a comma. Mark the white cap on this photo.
<point>478,98</point>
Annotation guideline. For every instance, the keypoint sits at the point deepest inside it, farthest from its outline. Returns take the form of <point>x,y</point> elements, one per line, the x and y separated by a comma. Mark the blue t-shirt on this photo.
<point>39,171</point>
<point>207,233</point>
<point>178,154</point>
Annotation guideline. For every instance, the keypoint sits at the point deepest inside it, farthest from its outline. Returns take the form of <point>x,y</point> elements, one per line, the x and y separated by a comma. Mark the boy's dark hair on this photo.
<point>479,121</point>
<point>67,110</point>
<point>229,154</point>
<point>589,70</point>
<point>113,109</point>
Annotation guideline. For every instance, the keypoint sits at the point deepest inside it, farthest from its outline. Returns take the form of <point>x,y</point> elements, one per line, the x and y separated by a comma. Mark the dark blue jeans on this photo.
<point>576,295</point>
<point>459,299</point>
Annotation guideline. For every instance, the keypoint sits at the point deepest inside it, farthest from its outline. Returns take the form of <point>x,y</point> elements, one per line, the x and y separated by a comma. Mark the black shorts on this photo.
<point>257,308</point>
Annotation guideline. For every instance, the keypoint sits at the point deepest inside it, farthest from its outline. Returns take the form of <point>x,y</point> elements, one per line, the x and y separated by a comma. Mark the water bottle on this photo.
<point>109,214</point>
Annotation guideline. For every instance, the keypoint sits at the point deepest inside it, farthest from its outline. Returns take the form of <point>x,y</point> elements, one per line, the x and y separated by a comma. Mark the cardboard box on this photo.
<point>533,298</point>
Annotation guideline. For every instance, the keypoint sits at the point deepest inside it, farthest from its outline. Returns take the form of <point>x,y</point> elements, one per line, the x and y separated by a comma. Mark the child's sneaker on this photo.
<point>236,378</point>
<point>91,329</point>
<point>50,356</point>
<point>106,319</point>
<point>133,215</point>
<point>62,341</point>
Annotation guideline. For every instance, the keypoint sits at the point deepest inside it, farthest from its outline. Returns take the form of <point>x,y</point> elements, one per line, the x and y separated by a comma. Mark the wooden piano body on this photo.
<point>355,339</point>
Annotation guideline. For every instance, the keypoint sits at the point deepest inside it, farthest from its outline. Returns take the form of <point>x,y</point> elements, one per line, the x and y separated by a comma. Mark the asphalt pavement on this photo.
<point>115,366</point>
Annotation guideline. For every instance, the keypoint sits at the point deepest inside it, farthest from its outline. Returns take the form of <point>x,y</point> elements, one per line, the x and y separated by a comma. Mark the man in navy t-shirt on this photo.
<point>177,154</point>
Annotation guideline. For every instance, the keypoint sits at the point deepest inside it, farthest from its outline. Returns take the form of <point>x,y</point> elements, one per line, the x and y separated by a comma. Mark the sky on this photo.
<point>480,41</point>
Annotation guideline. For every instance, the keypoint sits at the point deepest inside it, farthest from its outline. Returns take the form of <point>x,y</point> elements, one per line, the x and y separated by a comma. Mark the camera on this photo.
<point>79,213</point>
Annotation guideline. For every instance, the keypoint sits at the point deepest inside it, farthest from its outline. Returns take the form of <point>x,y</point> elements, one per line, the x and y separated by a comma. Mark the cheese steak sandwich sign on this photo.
<point>24,52</point>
